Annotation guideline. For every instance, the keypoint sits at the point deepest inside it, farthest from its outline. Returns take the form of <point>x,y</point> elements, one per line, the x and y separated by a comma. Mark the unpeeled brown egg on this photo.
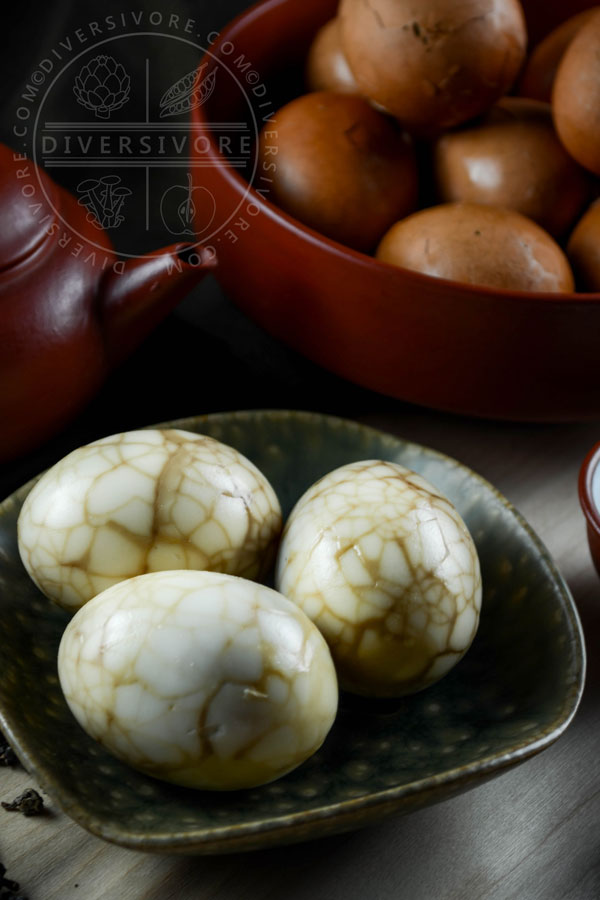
<point>539,72</point>
<point>143,501</point>
<point>433,63</point>
<point>512,157</point>
<point>327,68</point>
<point>476,244</point>
<point>385,567</point>
<point>583,250</point>
<point>199,678</point>
<point>576,95</point>
<point>340,167</point>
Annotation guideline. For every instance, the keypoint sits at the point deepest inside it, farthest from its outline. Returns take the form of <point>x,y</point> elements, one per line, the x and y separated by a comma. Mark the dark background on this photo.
<point>207,356</point>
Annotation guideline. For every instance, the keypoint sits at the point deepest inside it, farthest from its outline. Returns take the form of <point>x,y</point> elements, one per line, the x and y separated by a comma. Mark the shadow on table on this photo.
<point>298,871</point>
<point>585,587</point>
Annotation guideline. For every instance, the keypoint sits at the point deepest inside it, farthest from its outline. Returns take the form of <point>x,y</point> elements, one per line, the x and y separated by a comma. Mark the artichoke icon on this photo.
<point>102,86</point>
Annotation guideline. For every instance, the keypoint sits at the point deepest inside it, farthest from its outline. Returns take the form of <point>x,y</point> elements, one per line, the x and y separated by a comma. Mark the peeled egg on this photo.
<point>198,678</point>
<point>340,167</point>
<point>327,68</point>
<point>477,244</point>
<point>143,501</point>
<point>385,567</point>
<point>512,157</point>
<point>576,96</point>
<point>433,63</point>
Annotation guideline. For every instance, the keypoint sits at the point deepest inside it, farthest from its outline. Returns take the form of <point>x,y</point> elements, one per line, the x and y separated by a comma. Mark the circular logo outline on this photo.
<point>204,239</point>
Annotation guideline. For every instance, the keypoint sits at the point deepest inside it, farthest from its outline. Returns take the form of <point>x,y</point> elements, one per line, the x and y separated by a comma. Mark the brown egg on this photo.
<point>327,68</point>
<point>513,158</point>
<point>433,63</point>
<point>339,166</point>
<point>481,245</point>
<point>583,250</point>
<point>539,72</point>
<point>576,96</point>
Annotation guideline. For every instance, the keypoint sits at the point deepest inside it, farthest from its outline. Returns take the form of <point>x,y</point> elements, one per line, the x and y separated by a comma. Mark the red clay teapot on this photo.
<point>69,309</point>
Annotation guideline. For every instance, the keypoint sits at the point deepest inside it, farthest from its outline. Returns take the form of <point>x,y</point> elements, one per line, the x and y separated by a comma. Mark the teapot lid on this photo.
<point>28,203</point>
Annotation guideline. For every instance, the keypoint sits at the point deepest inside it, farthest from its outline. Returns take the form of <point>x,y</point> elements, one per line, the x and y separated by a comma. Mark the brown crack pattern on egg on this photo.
<point>386,568</point>
<point>145,501</point>
<point>199,678</point>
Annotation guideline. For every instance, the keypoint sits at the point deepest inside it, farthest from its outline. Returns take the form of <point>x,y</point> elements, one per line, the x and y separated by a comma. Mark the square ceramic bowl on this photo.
<point>512,695</point>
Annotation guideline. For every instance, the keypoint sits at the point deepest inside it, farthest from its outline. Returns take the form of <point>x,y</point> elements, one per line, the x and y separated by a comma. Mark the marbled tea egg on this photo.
<point>385,567</point>
<point>198,678</point>
<point>144,501</point>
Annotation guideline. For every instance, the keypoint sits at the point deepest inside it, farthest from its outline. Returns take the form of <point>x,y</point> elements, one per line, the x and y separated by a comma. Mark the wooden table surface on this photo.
<point>531,833</point>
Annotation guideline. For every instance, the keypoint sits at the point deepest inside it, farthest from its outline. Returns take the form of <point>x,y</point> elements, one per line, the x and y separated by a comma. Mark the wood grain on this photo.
<point>532,833</point>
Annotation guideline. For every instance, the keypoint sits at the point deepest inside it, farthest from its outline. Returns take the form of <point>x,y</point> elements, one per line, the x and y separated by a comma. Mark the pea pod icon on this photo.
<point>190,92</point>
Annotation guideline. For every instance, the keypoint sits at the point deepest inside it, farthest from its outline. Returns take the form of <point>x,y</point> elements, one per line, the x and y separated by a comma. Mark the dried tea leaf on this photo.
<point>7,754</point>
<point>30,803</point>
<point>8,887</point>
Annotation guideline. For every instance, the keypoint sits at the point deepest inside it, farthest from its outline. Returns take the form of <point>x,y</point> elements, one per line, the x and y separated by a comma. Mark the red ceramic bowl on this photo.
<point>589,497</point>
<point>450,346</point>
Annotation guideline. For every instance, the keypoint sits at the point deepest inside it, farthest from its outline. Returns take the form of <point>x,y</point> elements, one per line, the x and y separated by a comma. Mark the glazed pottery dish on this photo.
<point>477,350</point>
<point>589,498</point>
<point>510,697</point>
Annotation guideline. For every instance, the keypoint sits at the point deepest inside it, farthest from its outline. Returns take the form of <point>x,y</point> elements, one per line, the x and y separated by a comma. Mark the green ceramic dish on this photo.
<point>513,694</point>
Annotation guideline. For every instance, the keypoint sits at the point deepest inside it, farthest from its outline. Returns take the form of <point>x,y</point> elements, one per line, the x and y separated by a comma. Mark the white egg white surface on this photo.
<point>199,678</point>
<point>144,501</point>
<point>386,568</point>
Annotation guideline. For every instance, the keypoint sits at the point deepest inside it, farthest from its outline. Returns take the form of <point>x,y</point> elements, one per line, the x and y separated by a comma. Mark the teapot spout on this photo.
<point>136,298</point>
